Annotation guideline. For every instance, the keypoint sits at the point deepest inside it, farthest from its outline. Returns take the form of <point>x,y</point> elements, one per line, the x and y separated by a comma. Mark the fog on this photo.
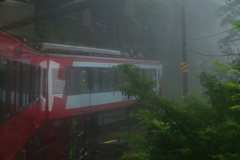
<point>152,28</point>
<point>202,28</point>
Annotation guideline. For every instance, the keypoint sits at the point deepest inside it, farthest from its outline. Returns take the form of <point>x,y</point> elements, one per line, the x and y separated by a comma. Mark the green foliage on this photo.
<point>219,94</point>
<point>190,128</point>
<point>237,26</point>
<point>137,86</point>
<point>231,86</point>
<point>223,140</point>
<point>230,13</point>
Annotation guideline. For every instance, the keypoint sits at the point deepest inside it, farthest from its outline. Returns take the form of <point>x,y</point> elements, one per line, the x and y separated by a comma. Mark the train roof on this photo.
<point>22,47</point>
<point>69,49</point>
<point>78,52</point>
<point>56,55</point>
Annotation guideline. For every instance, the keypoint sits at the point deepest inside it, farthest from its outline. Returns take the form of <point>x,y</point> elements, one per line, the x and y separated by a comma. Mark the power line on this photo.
<point>232,54</point>
<point>208,36</point>
<point>206,45</point>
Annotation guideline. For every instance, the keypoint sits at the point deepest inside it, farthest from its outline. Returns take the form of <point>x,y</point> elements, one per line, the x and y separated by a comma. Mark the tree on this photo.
<point>230,12</point>
<point>190,128</point>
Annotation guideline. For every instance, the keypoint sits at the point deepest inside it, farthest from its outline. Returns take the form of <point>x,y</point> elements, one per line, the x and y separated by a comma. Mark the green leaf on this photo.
<point>237,107</point>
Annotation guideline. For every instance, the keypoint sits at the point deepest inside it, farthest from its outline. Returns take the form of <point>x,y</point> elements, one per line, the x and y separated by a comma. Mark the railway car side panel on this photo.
<point>80,86</point>
<point>41,87</point>
<point>20,79</point>
<point>20,108</point>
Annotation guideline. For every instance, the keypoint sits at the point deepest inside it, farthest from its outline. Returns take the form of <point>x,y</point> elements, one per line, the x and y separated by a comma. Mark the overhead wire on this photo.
<point>208,36</point>
<point>207,48</point>
<point>222,55</point>
<point>202,44</point>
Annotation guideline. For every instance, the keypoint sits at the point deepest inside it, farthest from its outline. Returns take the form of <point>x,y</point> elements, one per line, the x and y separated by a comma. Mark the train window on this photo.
<point>71,86</point>
<point>17,89</point>
<point>150,74</point>
<point>44,86</point>
<point>13,87</point>
<point>147,73</point>
<point>83,80</point>
<point>1,91</point>
<point>24,85</point>
<point>7,87</point>
<point>21,86</point>
<point>142,72</point>
<point>33,83</point>
<point>28,83</point>
<point>104,79</point>
<point>112,80</point>
<point>41,82</point>
<point>125,78</point>
<point>37,82</point>
<point>95,79</point>
<point>78,80</point>
<point>119,77</point>
<point>153,75</point>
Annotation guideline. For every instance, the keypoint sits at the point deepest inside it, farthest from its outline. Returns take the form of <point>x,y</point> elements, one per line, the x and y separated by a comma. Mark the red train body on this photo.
<point>61,81</point>
<point>21,109</point>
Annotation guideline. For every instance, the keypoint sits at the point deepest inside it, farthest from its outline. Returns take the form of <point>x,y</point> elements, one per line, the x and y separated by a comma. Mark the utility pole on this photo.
<point>184,50</point>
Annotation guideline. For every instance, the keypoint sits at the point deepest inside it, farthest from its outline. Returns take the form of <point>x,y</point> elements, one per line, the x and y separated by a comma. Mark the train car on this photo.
<point>81,80</point>
<point>23,89</point>
<point>59,82</point>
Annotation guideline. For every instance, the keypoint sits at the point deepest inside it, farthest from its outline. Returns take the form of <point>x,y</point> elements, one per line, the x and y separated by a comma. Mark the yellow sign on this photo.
<point>184,66</point>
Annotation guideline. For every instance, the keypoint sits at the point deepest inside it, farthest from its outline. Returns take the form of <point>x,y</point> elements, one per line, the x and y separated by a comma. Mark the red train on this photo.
<point>22,81</point>
<point>54,82</point>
